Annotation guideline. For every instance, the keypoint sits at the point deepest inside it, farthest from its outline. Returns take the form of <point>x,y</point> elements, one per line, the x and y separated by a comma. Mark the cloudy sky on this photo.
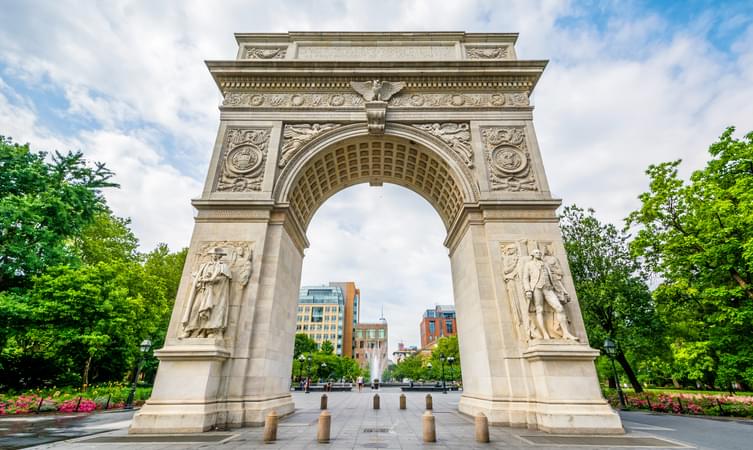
<point>629,83</point>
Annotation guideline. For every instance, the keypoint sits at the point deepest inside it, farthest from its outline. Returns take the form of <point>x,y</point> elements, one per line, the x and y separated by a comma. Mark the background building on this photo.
<point>330,313</point>
<point>352,297</point>
<point>371,345</point>
<point>321,314</point>
<point>403,352</point>
<point>436,323</point>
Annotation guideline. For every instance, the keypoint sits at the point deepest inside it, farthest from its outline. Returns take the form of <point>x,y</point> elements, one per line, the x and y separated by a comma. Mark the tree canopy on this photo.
<point>697,235</point>
<point>614,296</point>
<point>76,296</point>
<point>45,200</point>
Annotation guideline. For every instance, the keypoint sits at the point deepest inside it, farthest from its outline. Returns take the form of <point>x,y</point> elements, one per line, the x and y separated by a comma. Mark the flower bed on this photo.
<point>69,400</point>
<point>694,404</point>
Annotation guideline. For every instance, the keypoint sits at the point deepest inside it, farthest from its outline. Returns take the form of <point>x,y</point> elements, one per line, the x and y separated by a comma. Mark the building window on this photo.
<point>381,333</point>
<point>449,327</point>
<point>317,314</point>
<point>432,328</point>
<point>360,344</point>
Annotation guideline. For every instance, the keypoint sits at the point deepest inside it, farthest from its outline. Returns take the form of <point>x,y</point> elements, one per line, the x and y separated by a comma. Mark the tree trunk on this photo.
<point>629,372</point>
<point>87,366</point>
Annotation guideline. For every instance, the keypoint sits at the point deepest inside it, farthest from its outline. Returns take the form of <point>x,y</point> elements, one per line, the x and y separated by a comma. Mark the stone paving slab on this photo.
<point>355,425</point>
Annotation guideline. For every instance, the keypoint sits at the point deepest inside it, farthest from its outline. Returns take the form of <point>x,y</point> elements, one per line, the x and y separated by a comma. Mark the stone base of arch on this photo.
<point>567,399</point>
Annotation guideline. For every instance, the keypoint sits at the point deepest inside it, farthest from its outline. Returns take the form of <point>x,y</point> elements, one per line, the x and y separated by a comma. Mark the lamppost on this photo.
<point>429,366</point>
<point>146,344</point>
<point>444,384</point>
<point>301,359</point>
<point>324,368</point>
<point>611,349</point>
<point>450,360</point>
<point>308,372</point>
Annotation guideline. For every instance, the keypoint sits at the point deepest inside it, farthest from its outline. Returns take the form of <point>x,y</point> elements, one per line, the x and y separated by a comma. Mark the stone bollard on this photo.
<point>429,402</point>
<point>430,430</point>
<point>402,401</point>
<point>376,401</point>
<point>325,420</point>
<point>270,427</point>
<point>482,428</point>
<point>323,402</point>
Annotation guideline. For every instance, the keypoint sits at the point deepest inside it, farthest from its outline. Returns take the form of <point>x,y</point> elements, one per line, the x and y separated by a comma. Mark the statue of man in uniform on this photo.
<point>541,284</point>
<point>206,313</point>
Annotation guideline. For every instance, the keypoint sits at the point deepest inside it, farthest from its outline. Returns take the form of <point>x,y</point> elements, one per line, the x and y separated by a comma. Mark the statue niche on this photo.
<point>535,288</point>
<point>224,269</point>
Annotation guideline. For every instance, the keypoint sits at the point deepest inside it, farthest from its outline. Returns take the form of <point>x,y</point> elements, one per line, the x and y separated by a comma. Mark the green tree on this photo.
<point>448,347</point>
<point>303,344</point>
<point>411,367</point>
<point>106,238</point>
<point>82,320</point>
<point>698,236</point>
<point>614,297</point>
<point>327,347</point>
<point>43,203</point>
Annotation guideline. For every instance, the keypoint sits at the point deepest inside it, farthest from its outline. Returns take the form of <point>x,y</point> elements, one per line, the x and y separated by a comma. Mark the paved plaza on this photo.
<point>356,425</point>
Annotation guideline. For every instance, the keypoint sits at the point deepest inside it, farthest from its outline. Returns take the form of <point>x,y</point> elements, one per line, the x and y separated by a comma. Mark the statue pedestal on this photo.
<point>184,399</point>
<point>558,392</point>
<point>567,394</point>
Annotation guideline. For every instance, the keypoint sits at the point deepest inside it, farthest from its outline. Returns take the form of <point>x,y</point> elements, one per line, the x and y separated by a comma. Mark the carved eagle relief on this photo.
<point>377,90</point>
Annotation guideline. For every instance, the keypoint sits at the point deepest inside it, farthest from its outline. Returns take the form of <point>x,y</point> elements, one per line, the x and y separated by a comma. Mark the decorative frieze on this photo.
<point>329,100</point>
<point>460,100</point>
<point>241,166</point>
<point>292,100</point>
<point>456,135</point>
<point>265,53</point>
<point>509,160</point>
<point>487,52</point>
<point>296,136</point>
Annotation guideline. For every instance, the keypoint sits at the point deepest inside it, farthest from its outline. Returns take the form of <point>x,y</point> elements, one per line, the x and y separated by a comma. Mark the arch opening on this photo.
<point>376,160</point>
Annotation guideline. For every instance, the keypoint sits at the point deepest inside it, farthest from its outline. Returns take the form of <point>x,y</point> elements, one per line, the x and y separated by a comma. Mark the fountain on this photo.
<point>374,365</point>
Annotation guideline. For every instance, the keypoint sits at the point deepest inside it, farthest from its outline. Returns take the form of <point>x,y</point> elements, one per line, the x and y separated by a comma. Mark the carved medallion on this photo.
<point>456,135</point>
<point>242,163</point>
<point>295,136</point>
<point>508,158</point>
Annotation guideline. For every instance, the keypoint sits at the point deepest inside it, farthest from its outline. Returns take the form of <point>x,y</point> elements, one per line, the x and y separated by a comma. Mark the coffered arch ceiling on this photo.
<point>376,159</point>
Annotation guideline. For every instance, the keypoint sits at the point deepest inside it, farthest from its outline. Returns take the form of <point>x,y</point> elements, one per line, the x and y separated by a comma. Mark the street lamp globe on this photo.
<point>301,358</point>
<point>146,344</point>
<point>450,359</point>
<point>609,347</point>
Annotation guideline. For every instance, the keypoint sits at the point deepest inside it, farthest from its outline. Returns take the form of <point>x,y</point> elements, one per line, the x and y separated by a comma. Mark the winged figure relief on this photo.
<point>377,90</point>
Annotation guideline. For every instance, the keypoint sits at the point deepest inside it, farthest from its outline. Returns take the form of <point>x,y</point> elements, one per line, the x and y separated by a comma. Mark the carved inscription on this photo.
<point>508,158</point>
<point>456,135</point>
<point>220,271</point>
<point>295,136</point>
<point>242,162</point>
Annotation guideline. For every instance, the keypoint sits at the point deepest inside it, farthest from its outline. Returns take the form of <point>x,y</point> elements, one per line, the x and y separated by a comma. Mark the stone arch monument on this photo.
<point>306,115</point>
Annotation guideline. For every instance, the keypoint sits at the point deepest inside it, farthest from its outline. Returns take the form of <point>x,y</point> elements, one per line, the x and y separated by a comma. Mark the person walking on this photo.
<point>359,382</point>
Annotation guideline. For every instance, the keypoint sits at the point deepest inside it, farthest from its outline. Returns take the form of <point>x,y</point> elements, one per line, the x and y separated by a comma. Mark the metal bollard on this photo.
<point>376,401</point>
<point>270,427</point>
<point>429,402</point>
<point>325,420</point>
<point>482,428</point>
<point>430,430</point>
<point>402,401</point>
<point>323,402</point>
